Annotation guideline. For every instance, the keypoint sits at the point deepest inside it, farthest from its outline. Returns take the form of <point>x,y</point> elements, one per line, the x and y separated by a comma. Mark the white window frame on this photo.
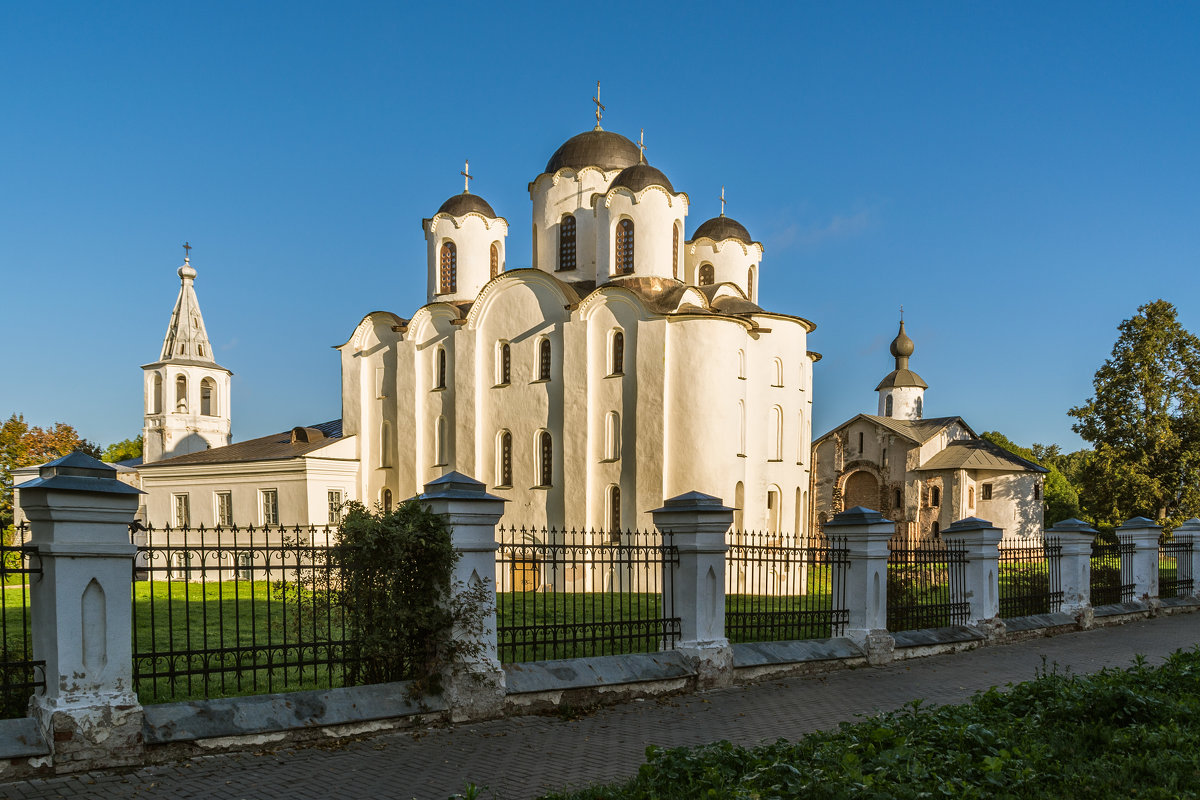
<point>181,510</point>
<point>264,517</point>
<point>226,521</point>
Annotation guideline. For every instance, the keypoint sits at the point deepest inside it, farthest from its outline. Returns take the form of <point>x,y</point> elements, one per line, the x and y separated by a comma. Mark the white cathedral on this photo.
<point>629,364</point>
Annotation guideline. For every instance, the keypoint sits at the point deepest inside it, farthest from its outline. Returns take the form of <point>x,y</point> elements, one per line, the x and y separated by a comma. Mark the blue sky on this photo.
<point>1020,176</point>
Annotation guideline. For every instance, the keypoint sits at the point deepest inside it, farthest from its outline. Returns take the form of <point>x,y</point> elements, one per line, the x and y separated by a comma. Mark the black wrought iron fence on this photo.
<point>780,587</point>
<point>926,585</point>
<point>232,611</point>
<point>1030,577</point>
<point>1175,566</point>
<point>570,594</point>
<point>20,675</point>
<point>1111,572</point>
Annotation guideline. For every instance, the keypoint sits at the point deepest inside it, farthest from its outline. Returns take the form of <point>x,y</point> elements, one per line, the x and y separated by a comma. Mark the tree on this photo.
<point>23,446</point>
<point>123,450</point>
<point>1059,498</point>
<point>1144,423</point>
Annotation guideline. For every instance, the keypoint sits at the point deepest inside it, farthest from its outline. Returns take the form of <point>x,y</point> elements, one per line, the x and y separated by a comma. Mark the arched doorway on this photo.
<point>861,490</point>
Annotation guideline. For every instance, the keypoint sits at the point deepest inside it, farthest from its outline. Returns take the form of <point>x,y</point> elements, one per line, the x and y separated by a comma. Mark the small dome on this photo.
<point>902,346</point>
<point>595,148</point>
<point>187,270</point>
<point>721,228</point>
<point>639,176</point>
<point>462,204</point>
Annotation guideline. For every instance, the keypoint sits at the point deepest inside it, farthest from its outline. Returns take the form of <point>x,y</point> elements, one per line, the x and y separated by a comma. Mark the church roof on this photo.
<point>979,454</point>
<point>462,204</point>
<point>901,377</point>
<point>916,430</point>
<point>595,148</point>
<point>276,447</point>
<point>639,176</point>
<point>186,341</point>
<point>721,228</point>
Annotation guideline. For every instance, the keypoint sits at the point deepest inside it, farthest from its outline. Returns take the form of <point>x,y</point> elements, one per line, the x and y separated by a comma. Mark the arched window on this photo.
<point>449,269</point>
<point>612,436</point>
<point>800,448</point>
<point>861,439</point>
<point>936,530</point>
<point>385,444</point>
<point>887,406</point>
<point>613,522</point>
<point>616,356</point>
<point>625,247</point>
<point>799,529</point>
<point>773,509</point>
<point>208,397</point>
<point>566,244</point>
<point>918,407</point>
<point>545,459</point>
<point>898,500</point>
<point>495,269</point>
<point>181,394</point>
<point>439,370</point>
<point>750,284</point>
<point>741,364</point>
<point>503,364</point>
<point>739,504</point>
<point>544,360</point>
<point>741,428</point>
<point>439,442</point>
<point>385,498</point>
<point>156,395</point>
<point>778,373</point>
<point>935,497</point>
<point>675,252</point>
<point>775,442</point>
<point>706,274</point>
<point>504,459</point>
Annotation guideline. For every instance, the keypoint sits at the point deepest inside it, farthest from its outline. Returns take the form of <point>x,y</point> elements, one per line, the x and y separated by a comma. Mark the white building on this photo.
<point>628,365</point>
<point>923,473</point>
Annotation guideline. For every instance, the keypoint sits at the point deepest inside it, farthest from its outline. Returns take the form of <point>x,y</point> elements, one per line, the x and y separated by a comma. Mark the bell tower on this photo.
<point>187,406</point>
<point>902,392</point>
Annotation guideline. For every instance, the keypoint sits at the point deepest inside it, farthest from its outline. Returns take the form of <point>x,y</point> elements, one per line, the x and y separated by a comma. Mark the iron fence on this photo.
<point>1030,578</point>
<point>1111,572</point>
<point>20,675</point>
<point>232,611</point>
<point>926,585</point>
<point>1175,567</point>
<point>571,594</point>
<point>780,587</point>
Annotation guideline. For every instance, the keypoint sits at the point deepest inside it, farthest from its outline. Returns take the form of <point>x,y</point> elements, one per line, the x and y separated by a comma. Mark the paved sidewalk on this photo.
<point>520,757</point>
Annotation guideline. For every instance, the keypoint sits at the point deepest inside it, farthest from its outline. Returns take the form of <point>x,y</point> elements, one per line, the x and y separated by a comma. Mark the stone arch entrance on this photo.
<point>862,489</point>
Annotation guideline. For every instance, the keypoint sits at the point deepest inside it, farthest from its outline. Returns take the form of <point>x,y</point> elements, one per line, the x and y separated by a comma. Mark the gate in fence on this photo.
<point>926,584</point>
<point>1030,578</point>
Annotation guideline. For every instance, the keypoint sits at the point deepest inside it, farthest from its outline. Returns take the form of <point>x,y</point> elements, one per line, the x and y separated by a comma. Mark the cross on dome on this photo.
<point>187,251</point>
<point>642,143</point>
<point>599,106</point>
<point>467,176</point>
<point>722,201</point>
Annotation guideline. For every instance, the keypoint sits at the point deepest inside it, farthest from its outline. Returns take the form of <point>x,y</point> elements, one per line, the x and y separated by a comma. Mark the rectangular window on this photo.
<point>986,490</point>
<point>181,565</point>
<point>336,498</point>
<point>245,567</point>
<point>183,513</point>
<point>270,507</point>
<point>224,501</point>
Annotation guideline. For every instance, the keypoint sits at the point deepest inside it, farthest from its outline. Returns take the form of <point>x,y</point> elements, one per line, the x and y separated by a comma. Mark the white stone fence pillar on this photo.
<point>1075,567</point>
<point>866,534</point>
<point>81,614</point>
<point>694,588</point>
<point>1192,528</point>
<point>1141,566</point>
<point>981,579</point>
<point>473,688</point>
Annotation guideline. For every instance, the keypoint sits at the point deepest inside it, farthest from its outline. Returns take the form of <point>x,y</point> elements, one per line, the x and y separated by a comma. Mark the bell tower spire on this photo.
<point>902,392</point>
<point>186,392</point>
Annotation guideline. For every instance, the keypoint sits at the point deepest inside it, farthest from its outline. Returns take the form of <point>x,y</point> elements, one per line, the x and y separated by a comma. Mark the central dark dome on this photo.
<point>721,228</point>
<point>595,148</point>
<point>639,176</point>
<point>463,204</point>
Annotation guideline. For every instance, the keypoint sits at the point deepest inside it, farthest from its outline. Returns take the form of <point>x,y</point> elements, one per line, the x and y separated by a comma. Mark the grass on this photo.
<point>1118,733</point>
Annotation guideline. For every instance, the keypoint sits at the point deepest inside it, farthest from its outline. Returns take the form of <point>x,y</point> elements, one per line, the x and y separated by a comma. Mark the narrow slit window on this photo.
<point>625,247</point>
<point>544,360</point>
<point>617,361</point>
<point>449,269</point>
<point>566,244</point>
<point>495,267</point>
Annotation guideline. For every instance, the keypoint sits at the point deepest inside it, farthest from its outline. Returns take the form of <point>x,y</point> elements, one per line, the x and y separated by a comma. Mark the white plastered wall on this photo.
<point>176,429</point>
<point>473,236</point>
<point>554,197</point>
<point>655,213</point>
<point>731,260</point>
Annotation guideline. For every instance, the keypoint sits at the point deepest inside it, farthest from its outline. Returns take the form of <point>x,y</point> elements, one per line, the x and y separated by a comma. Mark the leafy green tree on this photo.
<point>1144,423</point>
<point>24,446</point>
<point>123,450</point>
<point>1060,499</point>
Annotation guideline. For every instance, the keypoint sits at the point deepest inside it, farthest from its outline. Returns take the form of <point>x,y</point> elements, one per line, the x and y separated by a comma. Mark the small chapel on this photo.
<point>923,473</point>
<point>630,362</point>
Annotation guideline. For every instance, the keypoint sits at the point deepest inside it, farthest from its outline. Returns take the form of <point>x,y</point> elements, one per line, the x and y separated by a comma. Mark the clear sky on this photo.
<point>1020,176</point>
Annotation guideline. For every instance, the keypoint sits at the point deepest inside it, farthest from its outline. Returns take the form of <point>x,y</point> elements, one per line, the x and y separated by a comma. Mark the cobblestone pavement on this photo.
<point>519,757</point>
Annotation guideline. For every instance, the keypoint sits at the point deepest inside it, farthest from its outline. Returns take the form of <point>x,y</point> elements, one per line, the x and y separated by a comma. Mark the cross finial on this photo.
<point>187,251</point>
<point>599,105</point>
<point>902,313</point>
<point>467,176</point>
<point>642,143</point>
<point>722,201</point>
